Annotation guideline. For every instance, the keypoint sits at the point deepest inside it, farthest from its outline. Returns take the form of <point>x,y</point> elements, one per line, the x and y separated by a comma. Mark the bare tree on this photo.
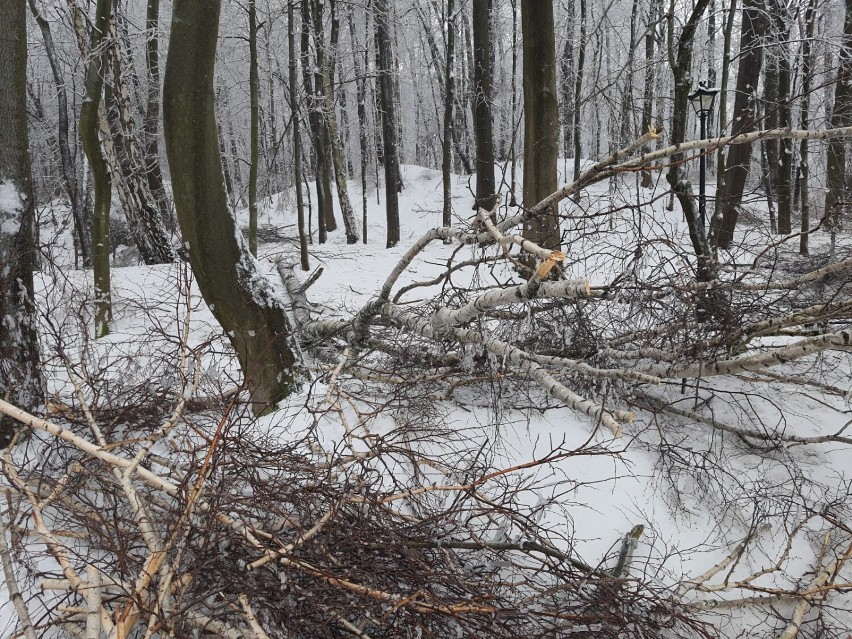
<point>240,298</point>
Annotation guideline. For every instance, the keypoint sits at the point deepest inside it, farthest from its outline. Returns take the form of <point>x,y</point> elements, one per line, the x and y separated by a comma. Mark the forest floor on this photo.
<point>696,494</point>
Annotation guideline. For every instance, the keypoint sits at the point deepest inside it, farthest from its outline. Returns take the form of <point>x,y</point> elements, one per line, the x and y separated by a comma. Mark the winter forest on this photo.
<point>425,319</point>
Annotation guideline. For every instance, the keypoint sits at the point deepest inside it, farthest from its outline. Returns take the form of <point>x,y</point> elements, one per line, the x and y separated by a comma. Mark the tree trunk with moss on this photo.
<point>21,382</point>
<point>241,299</point>
<point>89,126</point>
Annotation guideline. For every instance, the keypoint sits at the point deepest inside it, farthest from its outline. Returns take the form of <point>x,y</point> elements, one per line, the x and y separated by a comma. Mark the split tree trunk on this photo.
<point>241,299</point>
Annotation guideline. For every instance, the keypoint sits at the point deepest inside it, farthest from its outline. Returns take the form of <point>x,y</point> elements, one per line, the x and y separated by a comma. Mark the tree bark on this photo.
<point>723,119</point>
<point>361,89</point>
<point>388,110</point>
<point>681,63</point>
<point>449,96</point>
<point>21,382</point>
<point>89,126</point>
<point>486,185</point>
<point>151,124</point>
<point>146,223</point>
<point>739,157</point>
<point>648,89</point>
<point>254,116</point>
<point>239,296</point>
<point>330,121</point>
<point>804,122</point>
<point>297,139</point>
<point>541,119</point>
<point>836,200</point>
<point>578,88</point>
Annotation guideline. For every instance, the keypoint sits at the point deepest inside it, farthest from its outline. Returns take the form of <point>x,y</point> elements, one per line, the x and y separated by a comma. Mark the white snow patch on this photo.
<point>11,207</point>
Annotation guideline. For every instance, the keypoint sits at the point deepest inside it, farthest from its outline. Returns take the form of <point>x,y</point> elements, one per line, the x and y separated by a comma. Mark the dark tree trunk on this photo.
<point>681,64</point>
<point>566,72</point>
<point>804,117</point>
<point>486,186</point>
<point>242,301</point>
<point>723,118</point>
<point>254,118</point>
<point>648,89</point>
<point>541,119</point>
<point>449,96</point>
<point>318,133</point>
<point>388,110</point>
<point>578,88</point>
<point>836,199</point>
<point>21,381</point>
<point>151,124</point>
<point>89,124</point>
<point>297,138</point>
<point>739,156</point>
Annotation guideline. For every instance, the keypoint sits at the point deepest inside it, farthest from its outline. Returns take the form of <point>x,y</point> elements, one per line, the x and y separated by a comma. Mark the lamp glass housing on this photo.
<point>702,99</point>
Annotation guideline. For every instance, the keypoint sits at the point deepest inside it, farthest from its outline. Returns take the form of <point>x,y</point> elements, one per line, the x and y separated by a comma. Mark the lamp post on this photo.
<point>702,101</point>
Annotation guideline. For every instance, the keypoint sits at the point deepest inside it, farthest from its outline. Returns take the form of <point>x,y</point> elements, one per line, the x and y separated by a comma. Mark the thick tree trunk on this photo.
<point>388,110</point>
<point>89,126</point>
<point>723,120</point>
<point>486,185</point>
<point>541,119</point>
<point>69,173</point>
<point>297,139</point>
<point>21,382</point>
<point>739,156</point>
<point>241,299</point>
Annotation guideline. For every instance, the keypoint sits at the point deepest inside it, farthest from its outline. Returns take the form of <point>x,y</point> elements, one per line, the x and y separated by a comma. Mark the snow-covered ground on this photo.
<point>697,493</point>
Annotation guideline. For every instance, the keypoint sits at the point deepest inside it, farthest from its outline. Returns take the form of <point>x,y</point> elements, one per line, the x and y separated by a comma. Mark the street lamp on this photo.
<point>702,101</point>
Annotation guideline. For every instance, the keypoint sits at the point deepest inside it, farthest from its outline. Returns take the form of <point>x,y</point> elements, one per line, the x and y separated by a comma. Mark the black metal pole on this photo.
<point>702,165</point>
